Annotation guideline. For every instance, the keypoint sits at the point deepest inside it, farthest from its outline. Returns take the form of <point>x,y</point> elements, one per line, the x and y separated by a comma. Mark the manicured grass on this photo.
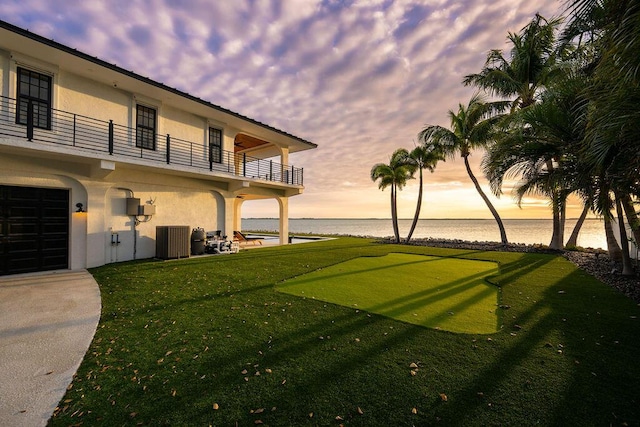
<point>442,293</point>
<point>177,337</point>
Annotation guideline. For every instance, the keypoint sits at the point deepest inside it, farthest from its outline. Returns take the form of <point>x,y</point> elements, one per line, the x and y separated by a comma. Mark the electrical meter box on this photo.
<point>133,205</point>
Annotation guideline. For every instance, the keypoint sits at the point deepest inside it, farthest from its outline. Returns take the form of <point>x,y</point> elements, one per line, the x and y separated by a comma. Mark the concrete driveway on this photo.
<point>47,321</point>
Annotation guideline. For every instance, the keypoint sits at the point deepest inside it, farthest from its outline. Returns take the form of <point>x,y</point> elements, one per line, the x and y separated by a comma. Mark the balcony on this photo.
<point>96,136</point>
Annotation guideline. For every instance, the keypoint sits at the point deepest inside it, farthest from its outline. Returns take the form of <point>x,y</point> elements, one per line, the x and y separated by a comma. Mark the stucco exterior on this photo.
<point>101,179</point>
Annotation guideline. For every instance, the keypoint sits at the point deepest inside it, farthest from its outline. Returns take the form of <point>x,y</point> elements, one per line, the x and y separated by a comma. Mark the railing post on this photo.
<point>111,137</point>
<point>244,164</point>
<point>168,149</point>
<point>301,176</point>
<point>293,171</point>
<point>270,170</point>
<point>29,120</point>
<point>74,130</point>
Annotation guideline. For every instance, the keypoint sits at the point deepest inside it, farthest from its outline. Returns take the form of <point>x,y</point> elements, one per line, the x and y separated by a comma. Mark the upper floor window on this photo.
<point>215,145</point>
<point>34,88</point>
<point>146,127</point>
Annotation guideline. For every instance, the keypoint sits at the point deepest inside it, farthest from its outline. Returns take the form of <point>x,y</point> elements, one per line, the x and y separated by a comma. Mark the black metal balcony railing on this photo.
<point>93,135</point>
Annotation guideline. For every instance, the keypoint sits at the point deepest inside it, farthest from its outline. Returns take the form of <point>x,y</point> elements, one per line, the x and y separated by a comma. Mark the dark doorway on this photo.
<point>34,229</point>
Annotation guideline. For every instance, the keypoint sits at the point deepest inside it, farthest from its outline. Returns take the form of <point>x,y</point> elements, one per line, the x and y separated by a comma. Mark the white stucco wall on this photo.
<point>88,98</point>
<point>174,206</point>
<point>178,200</point>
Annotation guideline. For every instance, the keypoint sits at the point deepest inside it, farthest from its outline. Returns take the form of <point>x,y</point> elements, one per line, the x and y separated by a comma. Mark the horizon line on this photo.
<point>411,219</point>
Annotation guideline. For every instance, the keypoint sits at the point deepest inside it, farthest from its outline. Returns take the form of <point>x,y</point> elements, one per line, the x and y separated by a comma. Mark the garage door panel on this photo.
<point>54,243</point>
<point>23,211</point>
<point>23,229</point>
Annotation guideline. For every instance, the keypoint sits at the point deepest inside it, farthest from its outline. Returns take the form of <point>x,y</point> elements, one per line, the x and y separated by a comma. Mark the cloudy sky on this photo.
<point>359,78</point>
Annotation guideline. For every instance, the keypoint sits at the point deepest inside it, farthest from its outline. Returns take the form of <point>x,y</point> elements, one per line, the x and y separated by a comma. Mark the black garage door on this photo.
<point>34,229</point>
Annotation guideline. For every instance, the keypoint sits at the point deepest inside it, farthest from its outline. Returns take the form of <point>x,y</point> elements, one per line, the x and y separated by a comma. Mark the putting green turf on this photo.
<point>442,293</point>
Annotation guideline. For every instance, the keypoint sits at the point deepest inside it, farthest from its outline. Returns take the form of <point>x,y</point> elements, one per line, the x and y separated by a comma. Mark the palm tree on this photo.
<point>394,175</point>
<point>471,128</point>
<point>424,157</point>
<point>539,147</point>
<point>529,66</point>
<point>522,77</point>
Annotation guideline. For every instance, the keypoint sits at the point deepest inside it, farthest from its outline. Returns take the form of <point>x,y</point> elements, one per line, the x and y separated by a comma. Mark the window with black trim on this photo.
<point>146,127</point>
<point>215,145</point>
<point>34,88</point>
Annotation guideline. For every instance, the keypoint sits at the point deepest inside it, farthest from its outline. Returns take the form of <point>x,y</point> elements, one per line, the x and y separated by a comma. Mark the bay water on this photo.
<point>528,231</point>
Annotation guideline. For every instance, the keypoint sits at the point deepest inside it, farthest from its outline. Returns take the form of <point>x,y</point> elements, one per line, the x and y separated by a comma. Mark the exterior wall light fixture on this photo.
<point>79,208</point>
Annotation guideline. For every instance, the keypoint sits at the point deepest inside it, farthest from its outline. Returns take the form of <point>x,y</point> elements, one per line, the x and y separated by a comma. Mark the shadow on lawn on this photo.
<point>318,370</point>
<point>552,363</point>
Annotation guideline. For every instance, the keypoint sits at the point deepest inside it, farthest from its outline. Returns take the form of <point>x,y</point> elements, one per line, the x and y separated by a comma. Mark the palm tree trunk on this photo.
<point>615,253</point>
<point>632,217</point>
<point>627,267</point>
<point>418,207</point>
<point>563,217</point>
<point>503,233</point>
<point>573,239</point>
<point>394,213</point>
<point>556,236</point>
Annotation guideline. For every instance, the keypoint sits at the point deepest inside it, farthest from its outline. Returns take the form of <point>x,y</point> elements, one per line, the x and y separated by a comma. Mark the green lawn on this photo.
<point>442,293</point>
<point>178,339</point>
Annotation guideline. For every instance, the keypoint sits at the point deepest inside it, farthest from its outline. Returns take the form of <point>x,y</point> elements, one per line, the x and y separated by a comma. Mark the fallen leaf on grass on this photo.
<point>443,397</point>
<point>360,411</point>
<point>414,411</point>
<point>216,406</point>
<point>413,366</point>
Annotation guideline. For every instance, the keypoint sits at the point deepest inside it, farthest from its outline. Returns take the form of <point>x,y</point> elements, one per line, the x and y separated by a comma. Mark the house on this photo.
<point>94,158</point>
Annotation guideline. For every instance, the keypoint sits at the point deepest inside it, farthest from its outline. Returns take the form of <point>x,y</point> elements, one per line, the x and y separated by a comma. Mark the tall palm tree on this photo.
<point>539,148</point>
<point>394,175</point>
<point>424,157</point>
<point>471,128</point>
<point>528,67</point>
<point>522,76</point>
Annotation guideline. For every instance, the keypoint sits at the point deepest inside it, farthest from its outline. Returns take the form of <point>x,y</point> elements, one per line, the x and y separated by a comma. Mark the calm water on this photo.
<point>529,231</point>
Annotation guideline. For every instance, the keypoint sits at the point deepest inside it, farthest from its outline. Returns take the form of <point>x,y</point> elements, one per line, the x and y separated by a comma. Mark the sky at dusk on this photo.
<point>358,78</point>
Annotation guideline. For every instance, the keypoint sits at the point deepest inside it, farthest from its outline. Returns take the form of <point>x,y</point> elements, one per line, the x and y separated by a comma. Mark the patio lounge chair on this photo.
<point>241,238</point>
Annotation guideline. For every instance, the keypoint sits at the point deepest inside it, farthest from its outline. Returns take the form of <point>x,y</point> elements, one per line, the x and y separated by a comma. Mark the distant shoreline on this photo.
<point>421,219</point>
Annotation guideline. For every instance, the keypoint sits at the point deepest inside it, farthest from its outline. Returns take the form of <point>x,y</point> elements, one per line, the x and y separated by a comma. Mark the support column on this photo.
<point>231,213</point>
<point>237,218</point>
<point>284,164</point>
<point>284,220</point>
